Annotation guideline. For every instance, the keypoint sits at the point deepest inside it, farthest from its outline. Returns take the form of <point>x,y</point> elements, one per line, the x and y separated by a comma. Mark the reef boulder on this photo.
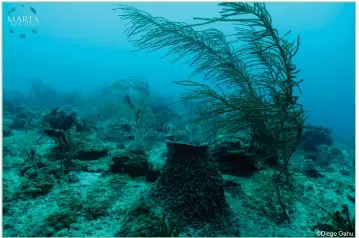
<point>234,155</point>
<point>313,136</point>
<point>61,119</point>
<point>133,161</point>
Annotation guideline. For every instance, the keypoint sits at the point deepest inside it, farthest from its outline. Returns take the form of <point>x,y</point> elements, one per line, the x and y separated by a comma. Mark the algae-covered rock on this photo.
<point>133,161</point>
<point>10,107</point>
<point>26,115</point>
<point>235,155</point>
<point>313,136</point>
<point>60,220</point>
<point>56,222</point>
<point>78,152</point>
<point>93,205</point>
<point>327,156</point>
<point>18,123</point>
<point>61,119</point>
<point>96,204</point>
<point>34,187</point>
<point>38,180</point>
<point>143,221</point>
<point>96,166</point>
<point>91,152</point>
<point>6,131</point>
<point>309,168</point>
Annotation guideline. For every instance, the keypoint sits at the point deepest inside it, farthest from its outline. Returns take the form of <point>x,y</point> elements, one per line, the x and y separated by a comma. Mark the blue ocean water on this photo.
<point>81,45</point>
<point>95,142</point>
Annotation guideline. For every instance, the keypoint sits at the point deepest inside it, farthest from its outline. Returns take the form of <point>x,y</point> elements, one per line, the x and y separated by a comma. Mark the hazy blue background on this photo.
<point>81,45</point>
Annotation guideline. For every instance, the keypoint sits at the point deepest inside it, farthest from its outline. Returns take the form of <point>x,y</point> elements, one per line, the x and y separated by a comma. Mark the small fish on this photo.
<point>33,10</point>
<point>34,31</point>
<point>11,10</point>
<point>11,31</point>
<point>22,36</point>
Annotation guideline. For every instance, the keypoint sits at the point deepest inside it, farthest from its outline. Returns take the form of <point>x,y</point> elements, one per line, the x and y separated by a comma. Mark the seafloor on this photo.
<point>90,173</point>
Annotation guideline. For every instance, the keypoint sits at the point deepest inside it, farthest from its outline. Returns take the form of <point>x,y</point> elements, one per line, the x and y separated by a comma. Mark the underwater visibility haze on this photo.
<point>164,119</point>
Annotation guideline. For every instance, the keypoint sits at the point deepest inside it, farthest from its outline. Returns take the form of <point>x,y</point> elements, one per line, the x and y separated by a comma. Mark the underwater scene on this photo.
<point>189,119</point>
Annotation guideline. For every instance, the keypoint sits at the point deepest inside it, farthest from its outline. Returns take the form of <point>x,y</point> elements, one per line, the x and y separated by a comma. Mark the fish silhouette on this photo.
<point>11,10</point>
<point>33,10</point>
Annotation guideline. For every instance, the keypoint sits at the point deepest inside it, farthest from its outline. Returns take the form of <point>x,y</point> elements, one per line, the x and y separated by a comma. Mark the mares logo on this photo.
<point>22,21</point>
